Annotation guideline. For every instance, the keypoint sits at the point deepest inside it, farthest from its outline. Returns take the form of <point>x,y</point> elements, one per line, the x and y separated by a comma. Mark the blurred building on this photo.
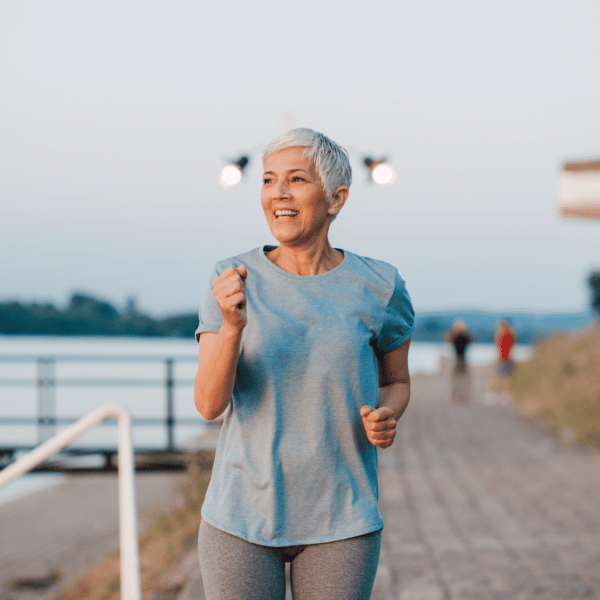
<point>580,189</point>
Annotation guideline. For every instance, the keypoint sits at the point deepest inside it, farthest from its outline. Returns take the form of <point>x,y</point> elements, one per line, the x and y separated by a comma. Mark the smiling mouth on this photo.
<point>285,213</point>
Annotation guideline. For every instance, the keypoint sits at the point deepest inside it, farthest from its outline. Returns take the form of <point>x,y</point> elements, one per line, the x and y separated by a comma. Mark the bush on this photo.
<point>594,283</point>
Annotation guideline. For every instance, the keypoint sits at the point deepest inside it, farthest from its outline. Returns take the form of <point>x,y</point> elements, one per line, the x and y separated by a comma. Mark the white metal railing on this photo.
<point>128,537</point>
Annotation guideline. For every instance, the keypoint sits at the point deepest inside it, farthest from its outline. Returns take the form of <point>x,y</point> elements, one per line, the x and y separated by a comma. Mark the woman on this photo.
<point>294,342</point>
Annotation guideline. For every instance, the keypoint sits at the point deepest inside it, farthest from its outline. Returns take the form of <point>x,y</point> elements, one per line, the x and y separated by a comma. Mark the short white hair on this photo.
<point>331,160</point>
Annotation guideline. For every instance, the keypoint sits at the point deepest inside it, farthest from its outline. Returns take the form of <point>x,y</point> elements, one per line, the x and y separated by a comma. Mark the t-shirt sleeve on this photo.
<point>210,317</point>
<point>399,321</point>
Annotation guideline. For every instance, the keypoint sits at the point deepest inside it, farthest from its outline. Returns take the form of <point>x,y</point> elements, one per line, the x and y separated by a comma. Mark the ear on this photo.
<point>339,199</point>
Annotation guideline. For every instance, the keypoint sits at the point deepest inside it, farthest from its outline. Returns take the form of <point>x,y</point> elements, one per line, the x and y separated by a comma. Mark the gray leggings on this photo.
<point>234,569</point>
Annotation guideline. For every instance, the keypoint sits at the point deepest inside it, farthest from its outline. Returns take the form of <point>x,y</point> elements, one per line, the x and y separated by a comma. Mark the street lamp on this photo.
<point>379,171</point>
<point>232,173</point>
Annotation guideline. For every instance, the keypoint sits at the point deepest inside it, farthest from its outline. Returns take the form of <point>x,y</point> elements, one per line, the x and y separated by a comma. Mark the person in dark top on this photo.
<point>458,335</point>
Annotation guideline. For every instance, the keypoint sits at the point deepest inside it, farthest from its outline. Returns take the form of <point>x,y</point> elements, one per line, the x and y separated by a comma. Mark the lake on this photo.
<point>147,401</point>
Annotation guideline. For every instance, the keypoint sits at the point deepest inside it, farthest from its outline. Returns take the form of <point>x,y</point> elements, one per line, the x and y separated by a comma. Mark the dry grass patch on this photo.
<point>171,535</point>
<point>561,383</point>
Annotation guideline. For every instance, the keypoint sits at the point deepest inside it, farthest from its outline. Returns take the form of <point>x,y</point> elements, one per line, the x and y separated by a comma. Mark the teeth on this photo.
<point>286,213</point>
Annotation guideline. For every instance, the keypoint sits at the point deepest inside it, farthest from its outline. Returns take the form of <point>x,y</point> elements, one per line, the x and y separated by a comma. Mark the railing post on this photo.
<point>51,397</point>
<point>46,405</point>
<point>170,411</point>
<point>41,369</point>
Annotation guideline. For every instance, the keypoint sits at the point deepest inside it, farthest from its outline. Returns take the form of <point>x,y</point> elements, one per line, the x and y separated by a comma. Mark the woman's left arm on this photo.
<point>394,393</point>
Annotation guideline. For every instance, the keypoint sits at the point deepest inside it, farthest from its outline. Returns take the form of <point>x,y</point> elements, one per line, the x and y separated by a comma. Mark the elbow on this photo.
<point>209,415</point>
<point>211,401</point>
<point>200,402</point>
<point>205,409</point>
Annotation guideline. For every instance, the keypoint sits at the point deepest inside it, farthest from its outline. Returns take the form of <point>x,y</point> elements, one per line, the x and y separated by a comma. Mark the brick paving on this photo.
<point>479,503</point>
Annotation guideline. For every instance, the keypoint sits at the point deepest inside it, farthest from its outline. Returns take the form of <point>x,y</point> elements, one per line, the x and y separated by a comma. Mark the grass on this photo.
<point>162,544</point>
<point>561,384</point>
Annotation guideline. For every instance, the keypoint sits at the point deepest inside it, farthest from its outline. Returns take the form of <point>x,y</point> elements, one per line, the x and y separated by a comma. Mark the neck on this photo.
<point>313,260</point>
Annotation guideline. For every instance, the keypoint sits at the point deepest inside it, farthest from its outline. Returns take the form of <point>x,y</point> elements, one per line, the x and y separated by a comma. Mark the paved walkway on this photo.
<point>65,528</point>
<point>479,504</point>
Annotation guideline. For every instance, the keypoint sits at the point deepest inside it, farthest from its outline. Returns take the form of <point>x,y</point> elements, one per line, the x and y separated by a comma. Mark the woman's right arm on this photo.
<point>218,353</point>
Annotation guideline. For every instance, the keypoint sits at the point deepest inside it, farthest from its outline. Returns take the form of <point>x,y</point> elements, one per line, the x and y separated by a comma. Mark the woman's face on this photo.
<point>294,199</point>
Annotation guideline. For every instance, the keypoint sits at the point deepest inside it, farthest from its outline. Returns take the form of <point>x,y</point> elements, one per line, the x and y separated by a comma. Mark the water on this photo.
<point>424,357</point>
<point>75,401</point>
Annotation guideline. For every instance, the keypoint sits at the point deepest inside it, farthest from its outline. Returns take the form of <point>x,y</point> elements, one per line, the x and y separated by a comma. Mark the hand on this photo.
<point>380,425</point>
<point>229,290</point>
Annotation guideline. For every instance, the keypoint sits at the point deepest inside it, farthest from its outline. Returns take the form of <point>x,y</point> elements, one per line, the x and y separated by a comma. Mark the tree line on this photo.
<point>86,315</point>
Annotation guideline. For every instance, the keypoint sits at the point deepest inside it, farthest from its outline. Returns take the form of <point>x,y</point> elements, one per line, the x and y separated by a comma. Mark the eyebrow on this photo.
<point>294,170</point>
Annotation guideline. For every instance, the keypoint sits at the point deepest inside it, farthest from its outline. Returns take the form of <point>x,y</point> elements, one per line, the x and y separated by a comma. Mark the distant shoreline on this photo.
<point>89,316</point>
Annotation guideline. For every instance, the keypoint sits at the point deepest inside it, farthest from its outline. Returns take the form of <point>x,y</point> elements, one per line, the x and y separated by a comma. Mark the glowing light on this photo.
<point>379,171</point>
<point>383,174</point>
<point>230,175</point>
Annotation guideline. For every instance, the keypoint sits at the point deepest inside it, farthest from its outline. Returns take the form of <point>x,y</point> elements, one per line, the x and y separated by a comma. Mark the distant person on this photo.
<point>304,349</point>
<point>460,337</point>
<point>505,338</point>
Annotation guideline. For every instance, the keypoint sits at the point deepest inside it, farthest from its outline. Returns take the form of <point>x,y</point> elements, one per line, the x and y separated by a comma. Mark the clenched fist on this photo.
<point>380,425</point>
<point>229,290</point>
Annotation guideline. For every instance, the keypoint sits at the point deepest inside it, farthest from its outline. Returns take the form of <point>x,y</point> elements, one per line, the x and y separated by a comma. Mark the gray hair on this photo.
<point>331,160</point>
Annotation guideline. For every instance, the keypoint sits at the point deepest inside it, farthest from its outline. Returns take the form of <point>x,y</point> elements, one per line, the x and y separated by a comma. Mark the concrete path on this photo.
<point>479,504</point>
<point>65,528</point>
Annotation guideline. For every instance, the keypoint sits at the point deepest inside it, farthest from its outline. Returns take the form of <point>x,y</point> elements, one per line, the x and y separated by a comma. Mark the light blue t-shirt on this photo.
<point>293,463</point>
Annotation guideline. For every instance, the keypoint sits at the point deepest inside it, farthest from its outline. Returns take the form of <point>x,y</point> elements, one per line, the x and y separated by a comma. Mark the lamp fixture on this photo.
<point>380,171</point>
<point>233,172</point>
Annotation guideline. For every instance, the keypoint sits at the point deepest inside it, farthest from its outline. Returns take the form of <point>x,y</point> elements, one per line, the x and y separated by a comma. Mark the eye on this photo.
<point>297,178</point>
<point>266,180</point>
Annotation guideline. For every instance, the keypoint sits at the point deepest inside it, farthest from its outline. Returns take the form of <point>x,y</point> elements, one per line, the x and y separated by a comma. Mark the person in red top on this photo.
<point>505,339</point>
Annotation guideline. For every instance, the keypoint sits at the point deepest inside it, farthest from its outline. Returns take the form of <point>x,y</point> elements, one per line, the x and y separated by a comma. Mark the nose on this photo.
<point>282,189</point>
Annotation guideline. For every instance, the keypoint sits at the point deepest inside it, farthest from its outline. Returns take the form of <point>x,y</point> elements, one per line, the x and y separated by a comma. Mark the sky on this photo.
<point>116,118</point>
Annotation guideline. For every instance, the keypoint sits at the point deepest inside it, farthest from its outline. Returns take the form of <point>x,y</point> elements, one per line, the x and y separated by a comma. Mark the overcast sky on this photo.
<point>116,117</point>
